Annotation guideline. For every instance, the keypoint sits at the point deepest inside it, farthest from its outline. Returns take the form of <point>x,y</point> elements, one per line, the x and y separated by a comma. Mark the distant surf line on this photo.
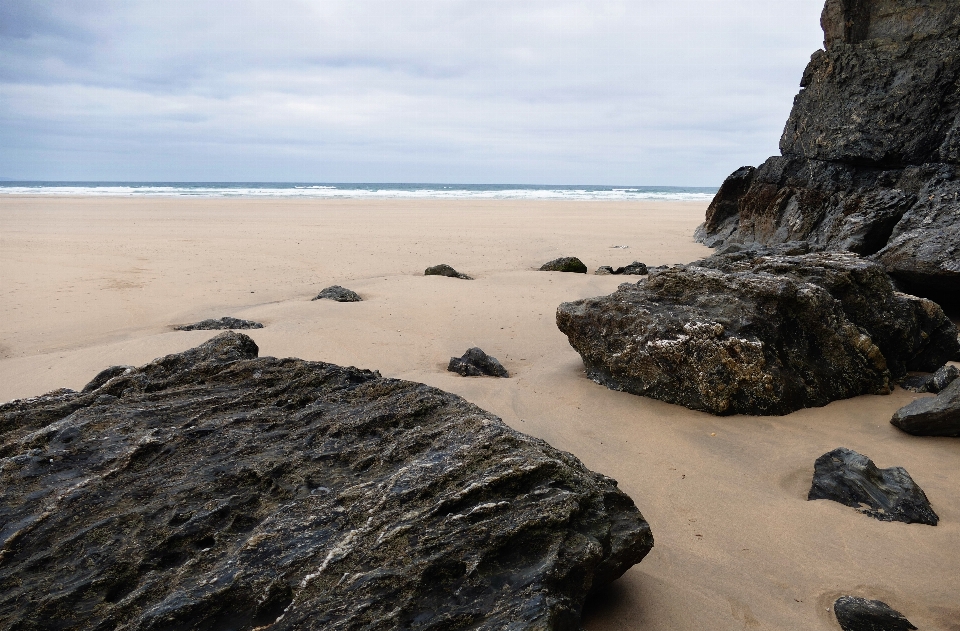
<point>325,190</point>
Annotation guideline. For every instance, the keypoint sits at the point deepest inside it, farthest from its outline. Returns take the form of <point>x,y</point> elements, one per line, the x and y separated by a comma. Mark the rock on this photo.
<point>852,479</point>
<point>634,269</point>
<point>216,490</point>
<point>870,156</point>
<point>476,363</point>
<point>917,383</point>
<point>445,270</point>
<point>338,293</point>
<point>106,375</point>
<point>946,375</point>
<point>565,264</point>
<point>221,324</point>
<point>932,416</point>
<point>860,614</point>
<point>740,333</point>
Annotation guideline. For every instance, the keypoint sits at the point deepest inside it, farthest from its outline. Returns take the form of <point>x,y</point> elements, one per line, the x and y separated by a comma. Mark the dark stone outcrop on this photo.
<point>859,614</point>
<point>476,363</point>
<point>870,156</point>
<point>932,416</point>
<point>219,325</point>
<point>634,269</point>
<point>852,479</point>
<point>445,270</point>
<point>338,293</point>
<point>215,490</point>
<point>565,264</point>
<point>934,383</point>
<point>104,376</point>
<point>744,333</point>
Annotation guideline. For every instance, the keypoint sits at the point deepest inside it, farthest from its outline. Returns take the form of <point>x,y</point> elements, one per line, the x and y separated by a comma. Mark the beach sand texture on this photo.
<point>91,282</point>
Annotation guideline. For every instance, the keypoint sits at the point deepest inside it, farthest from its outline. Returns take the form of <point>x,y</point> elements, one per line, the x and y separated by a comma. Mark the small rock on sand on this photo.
<point>218,325</point>
<point>565,264</point>
<point>339,294</point>
<point>445,270</point>
<point>932,416</point>
<point>852,479</point>
<point>476,363</point>
<point>859,614</point>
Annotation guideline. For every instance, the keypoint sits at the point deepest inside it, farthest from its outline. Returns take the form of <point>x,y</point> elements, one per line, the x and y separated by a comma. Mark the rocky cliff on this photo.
<point>871,152</point>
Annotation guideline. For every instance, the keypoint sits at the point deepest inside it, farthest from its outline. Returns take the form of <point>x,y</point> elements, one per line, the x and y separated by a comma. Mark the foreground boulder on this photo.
<point>758,334</point>
<point>565,264</point>
<point>445,270</point>
<point>339,294</point>
<point>932,416</point>
<point>476,363</point>
<point>219,325</point>
<point>870,156</point>
<point>852,479</point>
<point>214,490</point>
<point>860,614</point>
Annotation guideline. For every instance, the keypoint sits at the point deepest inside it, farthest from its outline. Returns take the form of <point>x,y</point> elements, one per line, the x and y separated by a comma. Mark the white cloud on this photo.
<point>629,92</point>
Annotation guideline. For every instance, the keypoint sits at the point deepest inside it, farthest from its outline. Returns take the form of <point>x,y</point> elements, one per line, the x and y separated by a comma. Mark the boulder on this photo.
<point>212,489</point>
<point>634,269</point>
<point>445,270</point>
<point>758,334</point>
<point>338,293</point>
<point>852,479</point>
<point>219,325</point>
<point>476,363</point>
<point>870,156</point>
<point>934,383</point>
<point>932,416</point>
<point>565,264</point>
<point>859,614</point>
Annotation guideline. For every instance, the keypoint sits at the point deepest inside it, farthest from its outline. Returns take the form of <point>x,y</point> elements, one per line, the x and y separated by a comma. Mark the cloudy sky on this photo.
<point>643,92</point>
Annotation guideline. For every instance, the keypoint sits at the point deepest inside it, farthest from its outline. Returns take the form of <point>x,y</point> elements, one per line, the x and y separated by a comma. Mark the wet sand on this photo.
<point>91,282</point>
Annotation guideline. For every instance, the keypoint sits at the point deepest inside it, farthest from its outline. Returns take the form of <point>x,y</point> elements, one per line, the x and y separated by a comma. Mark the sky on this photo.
<point>632,92</point>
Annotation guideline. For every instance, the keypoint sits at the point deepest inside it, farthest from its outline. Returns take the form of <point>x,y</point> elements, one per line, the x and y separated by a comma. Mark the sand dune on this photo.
<point>91,282</point>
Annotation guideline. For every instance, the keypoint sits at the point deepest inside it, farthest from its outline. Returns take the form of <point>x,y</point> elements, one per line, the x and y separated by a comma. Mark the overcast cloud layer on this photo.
<point>666,92</point>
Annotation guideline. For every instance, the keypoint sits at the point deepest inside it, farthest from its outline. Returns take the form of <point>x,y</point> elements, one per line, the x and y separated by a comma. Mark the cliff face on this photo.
<point>871,152</point>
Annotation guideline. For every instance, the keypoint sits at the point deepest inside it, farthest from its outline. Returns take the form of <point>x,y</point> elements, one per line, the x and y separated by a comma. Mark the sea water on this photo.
<point>354,191</point>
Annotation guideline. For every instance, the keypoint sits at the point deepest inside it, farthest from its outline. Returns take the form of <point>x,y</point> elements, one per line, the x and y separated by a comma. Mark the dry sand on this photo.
<point>91,282</point>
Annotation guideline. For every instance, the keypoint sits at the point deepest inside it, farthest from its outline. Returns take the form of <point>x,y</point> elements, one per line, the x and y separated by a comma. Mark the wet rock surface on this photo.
<point>932,416</point>
<point>565,264</point>
<point>934,383</point>
<point>870,156</point>
<point>476,363</point>
<point>219,325</point>
<point>445,270</point>
<point>859,614</point>
<point>852,479</point>
<point>215,490</point>
<point>339,294</point>
<point>758,334</point>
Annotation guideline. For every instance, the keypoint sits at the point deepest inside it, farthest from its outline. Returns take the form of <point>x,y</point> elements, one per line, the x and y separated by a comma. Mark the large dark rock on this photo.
<point>213,490</point>
<point>932,416</point>
<point>339,294</point>
<point>852,479</point>
<point>871,151</point>
<point>565,264</point>
<point>476,363</point>
<point>445,270</point>
<point>859,614</point>
<point>219,325</point>
<point>758,334</point>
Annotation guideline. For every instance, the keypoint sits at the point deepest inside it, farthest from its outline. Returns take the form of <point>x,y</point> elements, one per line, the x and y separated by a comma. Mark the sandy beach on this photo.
<point>89,282</point>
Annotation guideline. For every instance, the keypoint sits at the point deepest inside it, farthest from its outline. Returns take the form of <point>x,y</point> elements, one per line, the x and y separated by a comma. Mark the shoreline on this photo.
<point>737,544</point>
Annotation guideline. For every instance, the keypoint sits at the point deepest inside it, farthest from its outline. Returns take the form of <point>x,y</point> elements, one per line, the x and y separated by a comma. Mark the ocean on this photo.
<point>360,191</point>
